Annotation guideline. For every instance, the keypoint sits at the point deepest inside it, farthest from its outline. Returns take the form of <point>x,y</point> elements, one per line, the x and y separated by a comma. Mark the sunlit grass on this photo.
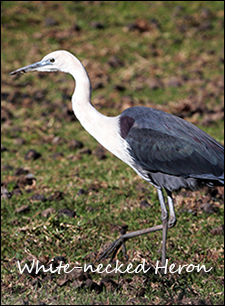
<point>173,44</point>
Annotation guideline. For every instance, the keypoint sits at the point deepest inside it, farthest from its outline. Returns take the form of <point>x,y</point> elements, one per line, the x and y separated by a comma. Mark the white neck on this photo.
<point>104,129</point>
<point>85,112</point>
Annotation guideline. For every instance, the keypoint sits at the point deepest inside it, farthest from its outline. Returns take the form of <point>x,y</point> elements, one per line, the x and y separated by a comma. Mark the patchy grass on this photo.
<point>167,55</point>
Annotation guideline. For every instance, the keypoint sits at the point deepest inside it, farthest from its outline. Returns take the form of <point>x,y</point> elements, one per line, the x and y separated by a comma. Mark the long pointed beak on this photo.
<point>32,67</point>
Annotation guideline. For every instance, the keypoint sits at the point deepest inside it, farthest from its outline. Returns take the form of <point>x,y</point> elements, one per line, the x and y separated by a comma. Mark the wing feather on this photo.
<point>160,142</point>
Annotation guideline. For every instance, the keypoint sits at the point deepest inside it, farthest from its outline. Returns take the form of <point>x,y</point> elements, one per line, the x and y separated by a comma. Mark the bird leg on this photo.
<point>165,227</point>
<point>172,219</point>
<point>166,224</point>
<point>164,218</point>
<point>114,247</point>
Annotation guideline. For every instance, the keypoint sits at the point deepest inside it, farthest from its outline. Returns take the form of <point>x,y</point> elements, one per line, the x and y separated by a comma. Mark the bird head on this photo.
<point>54,61</point>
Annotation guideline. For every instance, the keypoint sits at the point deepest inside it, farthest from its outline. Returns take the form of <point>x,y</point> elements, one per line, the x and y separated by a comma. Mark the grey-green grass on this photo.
<point>38,103</point>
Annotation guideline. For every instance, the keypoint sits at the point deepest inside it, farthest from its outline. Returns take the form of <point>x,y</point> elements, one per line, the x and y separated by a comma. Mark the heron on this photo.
<point>163,149</point>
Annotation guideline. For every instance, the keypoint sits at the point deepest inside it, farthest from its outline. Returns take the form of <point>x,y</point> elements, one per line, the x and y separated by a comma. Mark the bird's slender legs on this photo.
<point>115,246</point>
<point>164,218</point>
<point>165,227</point>
<point>172,219</point>
<point>162,204</point>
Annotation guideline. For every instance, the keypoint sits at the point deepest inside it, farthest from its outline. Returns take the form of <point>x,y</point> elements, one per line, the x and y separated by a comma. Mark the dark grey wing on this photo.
<point>160,142</point>
<point>158,152</point>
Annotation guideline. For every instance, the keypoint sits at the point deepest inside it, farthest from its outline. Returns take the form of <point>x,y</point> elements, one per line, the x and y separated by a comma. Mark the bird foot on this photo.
<point>172,222</point>
<point>113,249</point>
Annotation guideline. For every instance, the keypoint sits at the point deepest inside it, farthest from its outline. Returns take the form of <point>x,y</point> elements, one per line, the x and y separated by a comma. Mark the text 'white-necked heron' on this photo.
<point>165,150</point>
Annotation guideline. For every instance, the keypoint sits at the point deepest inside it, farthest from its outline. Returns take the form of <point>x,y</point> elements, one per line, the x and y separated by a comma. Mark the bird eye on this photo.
<point>52,60</point>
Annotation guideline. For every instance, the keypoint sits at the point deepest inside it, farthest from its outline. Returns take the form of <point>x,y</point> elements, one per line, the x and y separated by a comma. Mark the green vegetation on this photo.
<point>162,54</point>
